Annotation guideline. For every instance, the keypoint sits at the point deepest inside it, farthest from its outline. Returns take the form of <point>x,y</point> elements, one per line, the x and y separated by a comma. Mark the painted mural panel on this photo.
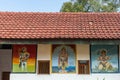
<point>63,59</point>
<point>104,58</point>
<point>24,58</point>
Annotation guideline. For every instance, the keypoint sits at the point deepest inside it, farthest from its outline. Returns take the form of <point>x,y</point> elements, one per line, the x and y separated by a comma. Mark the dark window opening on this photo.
<point>43,67</point>
<point>83,67</point>
<point>5,46</point>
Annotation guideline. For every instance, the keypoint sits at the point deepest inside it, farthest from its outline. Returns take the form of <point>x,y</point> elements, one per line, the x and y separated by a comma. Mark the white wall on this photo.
<point>44,51</point>
<point>83,52</point>
<point>5,61</point>
<point>65,77</point>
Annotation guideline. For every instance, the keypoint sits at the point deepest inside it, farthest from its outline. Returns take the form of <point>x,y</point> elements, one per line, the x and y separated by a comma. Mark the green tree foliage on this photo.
<point>91,6</point>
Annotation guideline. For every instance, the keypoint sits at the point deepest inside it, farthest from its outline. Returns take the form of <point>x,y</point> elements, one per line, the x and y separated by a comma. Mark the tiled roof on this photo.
<point>37,25</point>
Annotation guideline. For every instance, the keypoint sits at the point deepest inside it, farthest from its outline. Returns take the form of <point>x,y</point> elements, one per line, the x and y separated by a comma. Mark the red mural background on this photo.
<point>31,49</point>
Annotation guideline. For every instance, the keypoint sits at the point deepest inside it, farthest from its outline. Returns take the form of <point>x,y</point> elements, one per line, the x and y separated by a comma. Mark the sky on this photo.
<point>31,5</point>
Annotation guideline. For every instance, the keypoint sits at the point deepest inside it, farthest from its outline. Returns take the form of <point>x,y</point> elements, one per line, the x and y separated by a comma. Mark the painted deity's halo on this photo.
<point>103,51</point>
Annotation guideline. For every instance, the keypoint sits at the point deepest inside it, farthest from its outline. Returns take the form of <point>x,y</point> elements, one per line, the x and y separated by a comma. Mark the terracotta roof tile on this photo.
<point>36,25</point>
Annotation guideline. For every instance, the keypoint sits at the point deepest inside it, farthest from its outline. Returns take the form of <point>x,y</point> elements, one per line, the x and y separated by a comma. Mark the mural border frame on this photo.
<point>104,72</point>
<point>36,46</point>
<point>75,58</point>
